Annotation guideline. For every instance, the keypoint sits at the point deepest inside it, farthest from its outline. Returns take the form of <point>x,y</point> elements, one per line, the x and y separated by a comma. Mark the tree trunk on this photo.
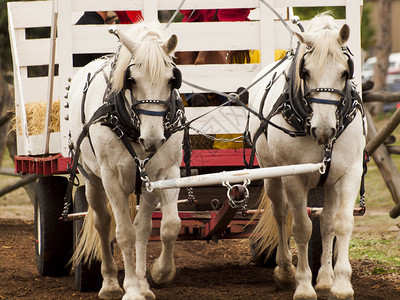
<point>384,48</point>
<point>8,138</point>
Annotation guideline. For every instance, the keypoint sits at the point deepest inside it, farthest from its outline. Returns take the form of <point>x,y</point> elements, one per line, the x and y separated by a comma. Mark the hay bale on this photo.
<point>36,117</point>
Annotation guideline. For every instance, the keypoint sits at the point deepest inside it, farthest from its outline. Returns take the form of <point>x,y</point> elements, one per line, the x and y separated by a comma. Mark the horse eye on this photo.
<point>131,80</point>
<point>305,73</point>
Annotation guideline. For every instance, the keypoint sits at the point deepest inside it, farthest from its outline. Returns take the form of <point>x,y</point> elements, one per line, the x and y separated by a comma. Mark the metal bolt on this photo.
<point>69,79</point>
<point>66,104</point>
<point>67,87</point>
<point>66,95</point>
<point>66,117</point>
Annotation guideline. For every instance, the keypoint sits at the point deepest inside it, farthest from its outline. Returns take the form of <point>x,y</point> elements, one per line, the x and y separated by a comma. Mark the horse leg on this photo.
<point>125,234</point>
<point>285,271</point>
<point>110,288</point>
<point>143,226</point>
<point>325,273</point>
<point>343,225</point>
<point>162,272</point>
<point>301,228</point>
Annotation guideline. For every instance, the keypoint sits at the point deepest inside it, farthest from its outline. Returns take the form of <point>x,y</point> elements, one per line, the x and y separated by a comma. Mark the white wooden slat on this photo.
<point>230,119</point>
<point>306,3</point>
<point>19,94</point>
<point>267,36</point>
<point>194,36</point>
<point>93,39</point>
<point>35,89</point>
<point>79,5</point>
<point>191,36</point>
<point>37,142</point>
<point>217,36</point>
<point>210,4</point>
<point>34,52</point>
<point>97,5</point>
<point>150,12</point>
<point>64,49</point>
<point>353,19</point>
<point>31,13</point>
<point>224,78</point>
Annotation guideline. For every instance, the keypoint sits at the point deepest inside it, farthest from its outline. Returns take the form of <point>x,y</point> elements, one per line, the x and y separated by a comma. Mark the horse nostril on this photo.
<point>313,132</point>
<point>333,133</point>
<point>162,141</point>
<point>141,142</point>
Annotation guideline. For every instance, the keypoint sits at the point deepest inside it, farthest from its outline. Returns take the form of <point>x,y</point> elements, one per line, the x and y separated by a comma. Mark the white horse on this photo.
<point>316,103</point>
<point>134,135</point>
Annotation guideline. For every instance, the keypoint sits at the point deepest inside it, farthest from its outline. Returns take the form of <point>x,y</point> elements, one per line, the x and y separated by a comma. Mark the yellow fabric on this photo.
<point>255,58</point>
<point>279,54</point>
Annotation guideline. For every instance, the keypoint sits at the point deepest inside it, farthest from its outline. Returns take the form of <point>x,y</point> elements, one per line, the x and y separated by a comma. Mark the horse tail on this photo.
<point>88,248</point>
<point>264,237</point>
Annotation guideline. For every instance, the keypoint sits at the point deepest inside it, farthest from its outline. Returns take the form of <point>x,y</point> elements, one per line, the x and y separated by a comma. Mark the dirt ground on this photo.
<point>204,271</point>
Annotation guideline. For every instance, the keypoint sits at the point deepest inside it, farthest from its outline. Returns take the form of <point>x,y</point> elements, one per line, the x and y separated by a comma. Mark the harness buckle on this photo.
<point>141,163</point>
<point>118,131</point>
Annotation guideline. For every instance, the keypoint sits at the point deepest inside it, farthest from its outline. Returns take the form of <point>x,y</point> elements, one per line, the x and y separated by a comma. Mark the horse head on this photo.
<point>324,68</point>
<point>147,76</point>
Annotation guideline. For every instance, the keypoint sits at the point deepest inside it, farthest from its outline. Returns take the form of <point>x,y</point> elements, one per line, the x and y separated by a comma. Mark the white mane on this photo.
<point>149,56</point>
<point>326,46</point>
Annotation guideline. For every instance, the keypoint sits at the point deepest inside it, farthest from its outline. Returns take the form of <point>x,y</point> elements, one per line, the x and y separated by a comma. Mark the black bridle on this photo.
<point>297,109</point>
<point>173,106</point>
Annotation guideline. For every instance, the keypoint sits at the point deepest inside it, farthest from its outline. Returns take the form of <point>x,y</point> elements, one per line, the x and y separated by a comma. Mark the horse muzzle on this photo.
<point>151,145</point>
<point>323,136</point>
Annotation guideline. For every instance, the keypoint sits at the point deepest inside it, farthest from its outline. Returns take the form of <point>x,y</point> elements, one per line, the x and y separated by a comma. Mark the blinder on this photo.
<point>128,80</point>
<point>176,80</point>
<point>350,64</point>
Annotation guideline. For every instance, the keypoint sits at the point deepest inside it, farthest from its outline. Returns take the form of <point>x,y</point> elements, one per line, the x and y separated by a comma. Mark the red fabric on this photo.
<point>223,15</point>
<point>129,16</point>
<point>237,14</point>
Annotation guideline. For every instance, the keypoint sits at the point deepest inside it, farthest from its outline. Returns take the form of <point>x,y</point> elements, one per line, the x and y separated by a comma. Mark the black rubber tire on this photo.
<point>53,237</point>
<point>87,278</point>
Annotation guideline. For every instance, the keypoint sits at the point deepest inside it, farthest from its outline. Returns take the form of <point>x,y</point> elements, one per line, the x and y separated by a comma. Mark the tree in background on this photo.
<point>383,49</point>
<point>5,52</point>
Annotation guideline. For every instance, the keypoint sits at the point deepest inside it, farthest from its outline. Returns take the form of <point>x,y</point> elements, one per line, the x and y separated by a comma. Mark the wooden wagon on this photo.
<point>46,152</point>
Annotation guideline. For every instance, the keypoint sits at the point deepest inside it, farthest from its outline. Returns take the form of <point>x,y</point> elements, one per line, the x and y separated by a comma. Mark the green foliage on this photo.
<point>339,12</point>
<point>367,31</point>
<point>307,13</point>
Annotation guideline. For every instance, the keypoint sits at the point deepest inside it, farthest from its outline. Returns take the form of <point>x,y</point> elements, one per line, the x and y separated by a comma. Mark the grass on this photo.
<point>375,233</point>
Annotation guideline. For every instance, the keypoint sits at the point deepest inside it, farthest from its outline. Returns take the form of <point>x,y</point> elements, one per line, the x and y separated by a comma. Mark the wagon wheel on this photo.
<point>87,278</point>
<point>53,237</point>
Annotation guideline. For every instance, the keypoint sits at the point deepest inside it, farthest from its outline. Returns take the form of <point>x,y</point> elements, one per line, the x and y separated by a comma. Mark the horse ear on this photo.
<point>170,45</point>
<point>305,38</point>
<point>127,42</point>
<point>344,34</point>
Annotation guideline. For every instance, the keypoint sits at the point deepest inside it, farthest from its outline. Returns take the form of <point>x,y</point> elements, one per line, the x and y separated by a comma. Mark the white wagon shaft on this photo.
<point>235,176</point>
